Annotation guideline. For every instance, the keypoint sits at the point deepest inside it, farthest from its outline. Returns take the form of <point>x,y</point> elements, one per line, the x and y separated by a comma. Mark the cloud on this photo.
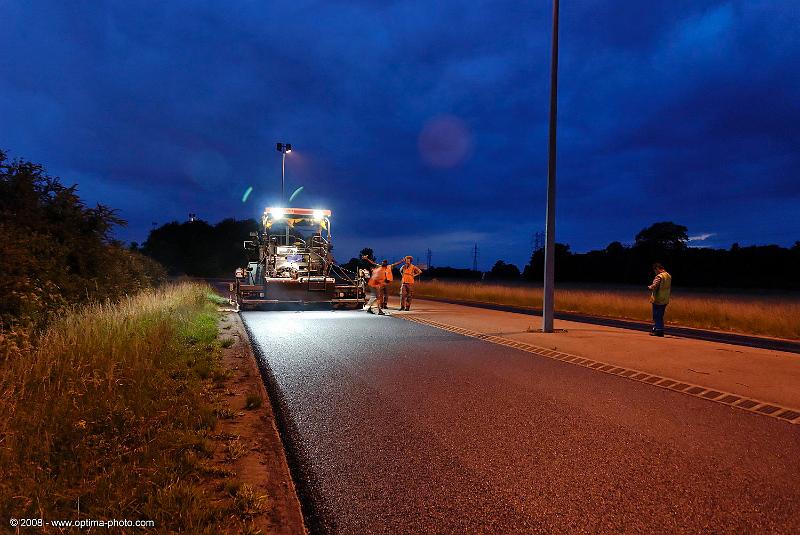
<point>702,237</point>
<point>669,110</point>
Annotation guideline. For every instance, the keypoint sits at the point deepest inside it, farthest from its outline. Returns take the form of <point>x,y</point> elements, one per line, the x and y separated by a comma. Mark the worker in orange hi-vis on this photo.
<point>409,272</point>
<point>376,283</point>
<point>387,270</point>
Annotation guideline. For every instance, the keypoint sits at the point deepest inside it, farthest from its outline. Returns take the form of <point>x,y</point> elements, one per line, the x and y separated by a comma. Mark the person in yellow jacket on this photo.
<point>659,297</point>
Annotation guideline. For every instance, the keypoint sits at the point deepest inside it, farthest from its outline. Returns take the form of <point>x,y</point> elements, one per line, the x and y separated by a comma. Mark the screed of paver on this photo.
<point>766,375</point>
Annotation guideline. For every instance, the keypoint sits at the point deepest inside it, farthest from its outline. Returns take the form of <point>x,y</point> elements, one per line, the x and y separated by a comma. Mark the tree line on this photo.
<point>200,249</point>
<point>757,266</point>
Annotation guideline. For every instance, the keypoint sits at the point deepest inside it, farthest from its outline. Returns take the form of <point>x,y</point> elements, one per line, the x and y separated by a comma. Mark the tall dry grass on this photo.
<point>109,412</point>
<point>768,315</point>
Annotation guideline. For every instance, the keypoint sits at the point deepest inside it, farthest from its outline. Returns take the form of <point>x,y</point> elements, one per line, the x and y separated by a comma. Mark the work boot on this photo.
<point>369,311</point>
<point>660,333</point>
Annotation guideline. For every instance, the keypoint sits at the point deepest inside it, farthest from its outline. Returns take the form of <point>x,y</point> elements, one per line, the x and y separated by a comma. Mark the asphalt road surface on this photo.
<point>397,427</point>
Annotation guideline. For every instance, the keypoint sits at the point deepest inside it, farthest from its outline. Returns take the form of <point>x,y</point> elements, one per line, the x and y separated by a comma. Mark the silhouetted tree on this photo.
<point>199,249</point>
<point>504,271</point>
<point>354,264</point>
<point>534,270</point>
<point>615,248</point>
<point>664,236</point>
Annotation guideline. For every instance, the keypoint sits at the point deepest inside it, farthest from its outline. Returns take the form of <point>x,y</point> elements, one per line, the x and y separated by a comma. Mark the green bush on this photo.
<point>56,252</point>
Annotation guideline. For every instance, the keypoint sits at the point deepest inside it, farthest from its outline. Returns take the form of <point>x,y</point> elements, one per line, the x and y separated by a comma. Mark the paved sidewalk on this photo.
<point>767,375</point>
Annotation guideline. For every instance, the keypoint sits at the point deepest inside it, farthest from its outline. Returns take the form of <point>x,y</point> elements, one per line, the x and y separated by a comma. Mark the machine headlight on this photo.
<point>277,213</point>
<point>318,214</point>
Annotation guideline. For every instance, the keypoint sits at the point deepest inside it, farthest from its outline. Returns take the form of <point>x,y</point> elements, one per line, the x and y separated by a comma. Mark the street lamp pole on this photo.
<point>283,148</point>
<point>548,306</point>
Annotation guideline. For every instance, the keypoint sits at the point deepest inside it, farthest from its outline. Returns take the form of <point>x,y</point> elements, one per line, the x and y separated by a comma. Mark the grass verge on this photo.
<point>110,414</point>
<point>747,314</point>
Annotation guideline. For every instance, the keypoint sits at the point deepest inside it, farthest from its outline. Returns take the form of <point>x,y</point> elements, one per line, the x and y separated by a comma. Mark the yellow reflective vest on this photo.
<point>660,294</point>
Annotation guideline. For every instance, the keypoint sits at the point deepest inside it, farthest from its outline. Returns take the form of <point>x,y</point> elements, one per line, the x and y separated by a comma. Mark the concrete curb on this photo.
<point>775,344</point>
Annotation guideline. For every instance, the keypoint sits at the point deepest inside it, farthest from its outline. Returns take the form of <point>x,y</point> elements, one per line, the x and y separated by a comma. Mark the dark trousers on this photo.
<point>658,317</point>
<point>406,293</point>
<point>383,295</point>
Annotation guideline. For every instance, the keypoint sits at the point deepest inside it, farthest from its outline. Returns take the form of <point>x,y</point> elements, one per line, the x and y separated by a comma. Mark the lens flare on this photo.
<point>247,193</point>
<point>296,193</point>
<point>445,142</point>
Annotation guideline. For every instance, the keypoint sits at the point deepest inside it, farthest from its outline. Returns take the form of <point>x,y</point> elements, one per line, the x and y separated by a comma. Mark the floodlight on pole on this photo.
<point>284,149</point>
<point>548,305</point>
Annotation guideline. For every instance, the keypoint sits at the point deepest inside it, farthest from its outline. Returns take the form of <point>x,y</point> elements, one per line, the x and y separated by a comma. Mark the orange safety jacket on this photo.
<point>409,272</point>
<point>378,277</point>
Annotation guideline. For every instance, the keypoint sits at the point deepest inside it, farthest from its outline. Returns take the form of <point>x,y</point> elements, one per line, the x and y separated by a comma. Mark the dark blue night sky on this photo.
<point>420,124</point>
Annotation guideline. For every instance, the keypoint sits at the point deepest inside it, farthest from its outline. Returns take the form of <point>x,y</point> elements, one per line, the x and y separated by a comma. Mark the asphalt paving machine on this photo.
<point>291,264</point>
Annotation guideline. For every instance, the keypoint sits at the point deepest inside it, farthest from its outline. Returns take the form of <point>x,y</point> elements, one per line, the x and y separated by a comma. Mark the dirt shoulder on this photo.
<point>247,439</point>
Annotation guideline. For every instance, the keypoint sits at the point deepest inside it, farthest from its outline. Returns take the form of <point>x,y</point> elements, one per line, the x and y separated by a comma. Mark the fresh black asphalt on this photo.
<point>397,427</point>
